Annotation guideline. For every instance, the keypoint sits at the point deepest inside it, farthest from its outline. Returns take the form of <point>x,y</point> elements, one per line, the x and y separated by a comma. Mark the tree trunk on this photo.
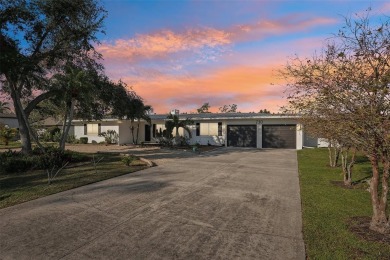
<point>136,140</point>
<point>132,130</point>
<point>347,166</point>
<point>23,129</point>
<point>70,118</point>
<point>379,221</point>
<point>177,137</point>
<point>334,154</point>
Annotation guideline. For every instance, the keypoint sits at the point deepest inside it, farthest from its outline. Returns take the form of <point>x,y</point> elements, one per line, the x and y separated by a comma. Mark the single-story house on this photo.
<point>224,129</point>
<point>9,120</point>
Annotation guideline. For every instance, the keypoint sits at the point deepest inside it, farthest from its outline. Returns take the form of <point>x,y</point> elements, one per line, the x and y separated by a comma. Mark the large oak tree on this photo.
<point>37,38</point>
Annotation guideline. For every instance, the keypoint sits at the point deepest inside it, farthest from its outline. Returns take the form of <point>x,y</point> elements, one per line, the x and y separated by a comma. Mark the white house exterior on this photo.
<point>223,129</point>
<point>92,129</point>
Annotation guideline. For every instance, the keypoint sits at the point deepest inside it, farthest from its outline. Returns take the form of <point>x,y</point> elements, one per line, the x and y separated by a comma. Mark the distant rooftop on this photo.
<point>2,115</point>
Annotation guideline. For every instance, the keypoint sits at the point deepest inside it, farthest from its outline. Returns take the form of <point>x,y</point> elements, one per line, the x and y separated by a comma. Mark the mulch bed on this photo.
<point>361,227</point>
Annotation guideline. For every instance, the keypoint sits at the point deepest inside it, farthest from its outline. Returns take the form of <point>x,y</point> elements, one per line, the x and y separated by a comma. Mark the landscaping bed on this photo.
<point>334,217</point>
<point>18,187</point>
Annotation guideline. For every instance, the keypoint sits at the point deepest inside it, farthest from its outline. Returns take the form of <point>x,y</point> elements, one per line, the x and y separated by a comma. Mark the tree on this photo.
<point>4,107</point>
<point>264,111</point>
<point>346,87</point>
<point>74,83</point>
<point>174,122</point>
<point>204,108</point>
<point>36,39</point>
<point>228,108</point>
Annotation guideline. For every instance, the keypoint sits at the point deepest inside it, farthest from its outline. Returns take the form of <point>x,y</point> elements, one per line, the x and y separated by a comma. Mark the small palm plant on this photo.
<point>175,122</point>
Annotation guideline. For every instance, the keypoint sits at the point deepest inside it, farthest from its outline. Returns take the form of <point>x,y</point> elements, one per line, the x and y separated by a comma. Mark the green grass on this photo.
<point>16,188</point>
<point>327,208</point>
<point>10,145</point>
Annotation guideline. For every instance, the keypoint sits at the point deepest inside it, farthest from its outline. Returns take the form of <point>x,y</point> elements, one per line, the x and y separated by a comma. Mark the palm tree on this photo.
<point>74,84</point>
<point>175,122</point>
<point>137,110</point>
<point>4,107</point>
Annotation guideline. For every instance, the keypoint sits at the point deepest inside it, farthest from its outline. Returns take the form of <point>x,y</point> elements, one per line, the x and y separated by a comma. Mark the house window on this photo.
<point>197,129</point>
<point>219,128</point>
<point>85,129</point>
<point>208,129</point>
<point>93,129</point>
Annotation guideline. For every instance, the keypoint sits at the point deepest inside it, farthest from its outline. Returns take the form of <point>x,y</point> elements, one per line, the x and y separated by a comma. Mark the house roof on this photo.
<point>220,116</point>
<point>2,115</point>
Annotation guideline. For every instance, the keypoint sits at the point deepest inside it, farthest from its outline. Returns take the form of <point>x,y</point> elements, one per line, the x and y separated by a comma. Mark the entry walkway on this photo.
<point>226,204</point>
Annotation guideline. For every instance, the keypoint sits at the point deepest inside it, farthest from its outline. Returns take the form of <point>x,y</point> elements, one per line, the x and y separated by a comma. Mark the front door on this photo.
<point>147,133</point>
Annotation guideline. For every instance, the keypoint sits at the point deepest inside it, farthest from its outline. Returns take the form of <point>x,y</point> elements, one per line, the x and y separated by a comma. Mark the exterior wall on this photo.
<point>125,136</point>
<point>79,130</point>
<point>221,140</point>
<point>11,122</point>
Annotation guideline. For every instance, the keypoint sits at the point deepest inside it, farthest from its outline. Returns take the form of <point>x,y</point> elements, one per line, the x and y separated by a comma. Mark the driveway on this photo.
<point>226,204</point>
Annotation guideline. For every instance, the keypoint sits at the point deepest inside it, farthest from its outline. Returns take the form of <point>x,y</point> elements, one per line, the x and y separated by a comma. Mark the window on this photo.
<point>154,130</point>
<point>219,128</point>
<point>208,129</point>
<point>93,129</point>
<point>197,129</point>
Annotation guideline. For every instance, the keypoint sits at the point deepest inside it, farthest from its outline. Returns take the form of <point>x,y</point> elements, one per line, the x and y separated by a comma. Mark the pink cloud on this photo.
<point>163,43</point>
<point>206,42</point>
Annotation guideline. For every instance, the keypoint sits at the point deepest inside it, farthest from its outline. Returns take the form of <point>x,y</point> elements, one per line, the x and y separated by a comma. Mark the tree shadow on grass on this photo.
<point>360,226</point>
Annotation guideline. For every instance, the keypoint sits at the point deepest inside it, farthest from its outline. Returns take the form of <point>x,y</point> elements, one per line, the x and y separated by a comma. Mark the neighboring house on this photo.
<point>9,120</point>
<point>224,129</point>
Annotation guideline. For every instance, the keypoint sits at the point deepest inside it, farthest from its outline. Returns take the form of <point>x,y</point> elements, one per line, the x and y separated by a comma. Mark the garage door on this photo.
<point>241,135</point>
<point>279,136</point>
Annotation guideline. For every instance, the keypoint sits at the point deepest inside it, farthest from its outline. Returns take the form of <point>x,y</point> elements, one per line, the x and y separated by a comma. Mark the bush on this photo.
<point>7,134</point>
<point>84,140</point>
<point>71,139</point>
<point>165,141</point>
<point>11,161</point>
<point>110,137</point>
<point>128,159</point>
<point>182,141</point>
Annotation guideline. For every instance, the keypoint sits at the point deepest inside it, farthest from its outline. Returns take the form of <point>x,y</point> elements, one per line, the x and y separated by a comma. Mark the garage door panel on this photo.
<point>241,135</point>
<point>279,136</point>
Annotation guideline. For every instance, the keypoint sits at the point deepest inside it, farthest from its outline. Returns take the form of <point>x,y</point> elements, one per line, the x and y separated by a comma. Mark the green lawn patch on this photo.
<point>11,145</point>
<point>16,188</point>
<point>327,209</point>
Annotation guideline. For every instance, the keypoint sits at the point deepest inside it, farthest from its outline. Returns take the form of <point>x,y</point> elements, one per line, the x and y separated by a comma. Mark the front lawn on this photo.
<point>16,188</point>
<point>327,209</point>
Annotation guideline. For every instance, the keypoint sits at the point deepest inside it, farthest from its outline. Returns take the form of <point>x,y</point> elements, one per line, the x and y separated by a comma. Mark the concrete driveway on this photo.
<point>226,204</point>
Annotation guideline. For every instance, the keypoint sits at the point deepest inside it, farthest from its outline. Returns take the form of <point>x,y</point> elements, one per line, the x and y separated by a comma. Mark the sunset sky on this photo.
<point>181,54</point>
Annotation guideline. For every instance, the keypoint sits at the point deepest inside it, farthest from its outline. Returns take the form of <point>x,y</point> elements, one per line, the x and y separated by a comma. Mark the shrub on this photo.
<point>182,141</point>
<point>71,139</point>
<point>7,134</point>
<point>165,141</point>
<point>110,137</point>
<point>12,161</point>
<point>128,159</point>
<point>84,140</point>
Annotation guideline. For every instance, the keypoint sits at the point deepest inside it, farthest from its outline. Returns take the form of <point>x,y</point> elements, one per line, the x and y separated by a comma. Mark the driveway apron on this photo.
<point>227,204</point>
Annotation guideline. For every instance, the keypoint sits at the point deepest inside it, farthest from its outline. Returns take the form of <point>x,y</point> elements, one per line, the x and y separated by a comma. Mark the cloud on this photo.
<point>164,43</point>
<point>206,43</point>
<point>245,86</point>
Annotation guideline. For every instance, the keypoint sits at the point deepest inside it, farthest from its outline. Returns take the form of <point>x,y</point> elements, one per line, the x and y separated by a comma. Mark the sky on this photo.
<point>181,54</point>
